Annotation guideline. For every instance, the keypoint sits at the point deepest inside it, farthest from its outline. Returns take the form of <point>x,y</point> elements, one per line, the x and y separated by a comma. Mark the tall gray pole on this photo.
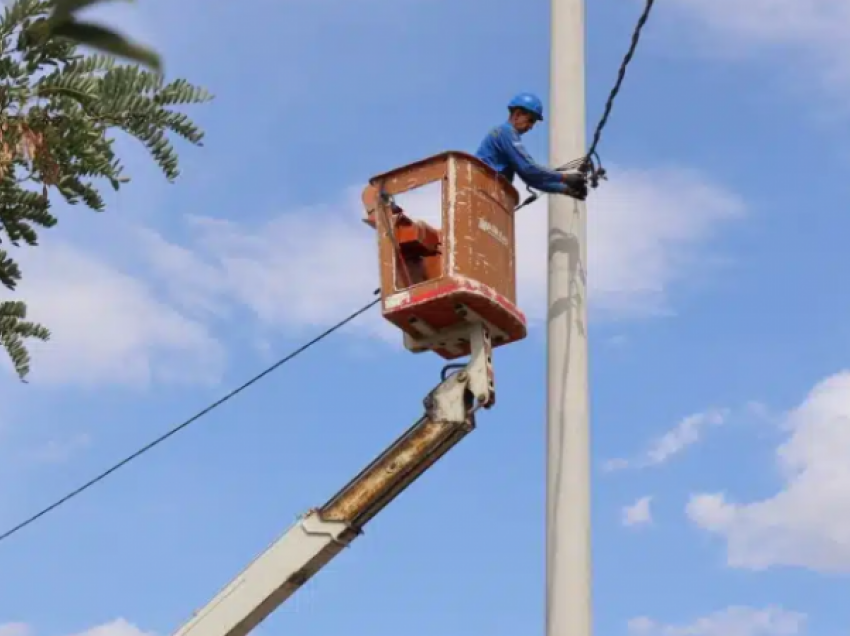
<point>568,556</point>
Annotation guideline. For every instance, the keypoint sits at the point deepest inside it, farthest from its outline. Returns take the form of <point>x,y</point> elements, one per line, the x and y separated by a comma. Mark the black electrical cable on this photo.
<point>194,418</point>
<point>585,163</point>
<point>593,169</point>
<point>621,75</point>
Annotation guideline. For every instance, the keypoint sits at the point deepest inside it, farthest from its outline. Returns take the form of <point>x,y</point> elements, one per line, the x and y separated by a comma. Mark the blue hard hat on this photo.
<point>529,102</point>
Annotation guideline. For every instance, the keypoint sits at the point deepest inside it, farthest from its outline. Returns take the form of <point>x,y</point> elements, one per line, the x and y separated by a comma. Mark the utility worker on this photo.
<point>503,151</point>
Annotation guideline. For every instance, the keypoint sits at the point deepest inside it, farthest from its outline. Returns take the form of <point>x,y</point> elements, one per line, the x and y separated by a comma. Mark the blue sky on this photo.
<point>719,340</point>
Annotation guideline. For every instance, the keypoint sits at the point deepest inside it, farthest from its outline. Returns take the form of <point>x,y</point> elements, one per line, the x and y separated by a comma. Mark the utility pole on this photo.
<point>568,544</point>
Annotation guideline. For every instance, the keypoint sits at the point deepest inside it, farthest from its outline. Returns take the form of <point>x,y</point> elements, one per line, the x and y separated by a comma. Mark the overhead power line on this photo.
<point>586,163</point>
<point>191,420</point>
<point>591,164</point>
<point>621,75</point>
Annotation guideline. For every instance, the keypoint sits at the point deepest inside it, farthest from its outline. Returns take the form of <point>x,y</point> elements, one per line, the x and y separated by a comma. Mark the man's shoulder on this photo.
<point>503,131</point>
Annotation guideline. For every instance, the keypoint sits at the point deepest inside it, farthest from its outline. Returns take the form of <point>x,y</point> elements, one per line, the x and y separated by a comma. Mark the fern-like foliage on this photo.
<point>57,110</point>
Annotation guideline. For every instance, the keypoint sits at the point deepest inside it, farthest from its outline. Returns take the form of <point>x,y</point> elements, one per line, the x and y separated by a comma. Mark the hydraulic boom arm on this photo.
<point>324,532</point>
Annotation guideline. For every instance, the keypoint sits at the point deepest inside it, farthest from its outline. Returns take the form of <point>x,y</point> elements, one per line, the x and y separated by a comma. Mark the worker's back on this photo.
<point>490,151</point>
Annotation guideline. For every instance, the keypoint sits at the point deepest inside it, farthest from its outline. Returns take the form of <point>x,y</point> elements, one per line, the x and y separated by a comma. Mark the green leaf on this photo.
<point>59,108</point>
<point>108,41</point>
<point>67,8</point>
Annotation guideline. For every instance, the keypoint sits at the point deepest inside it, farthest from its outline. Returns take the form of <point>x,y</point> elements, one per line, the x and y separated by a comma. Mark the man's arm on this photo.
<point>535,175</point>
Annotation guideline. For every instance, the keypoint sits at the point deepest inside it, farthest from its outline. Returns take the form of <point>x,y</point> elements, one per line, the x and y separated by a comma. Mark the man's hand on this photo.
<point>576,185</point>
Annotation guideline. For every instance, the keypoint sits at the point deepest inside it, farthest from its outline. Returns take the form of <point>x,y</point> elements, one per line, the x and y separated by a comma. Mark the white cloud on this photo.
<point>732,621</point>
<point>807,523</point>
<point>686,433</point>
<point>301,269</point>
<point>647,231</point>
<point>189,282</point>
<point>816,28</point>
<point>639,513</point>
<point>117,627</point>
<point>311,266</point>
<point>15,629</point>
<point>107,326</point>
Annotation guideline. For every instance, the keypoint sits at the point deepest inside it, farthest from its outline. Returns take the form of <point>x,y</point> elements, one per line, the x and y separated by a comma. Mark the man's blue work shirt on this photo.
<point>503,151</point>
